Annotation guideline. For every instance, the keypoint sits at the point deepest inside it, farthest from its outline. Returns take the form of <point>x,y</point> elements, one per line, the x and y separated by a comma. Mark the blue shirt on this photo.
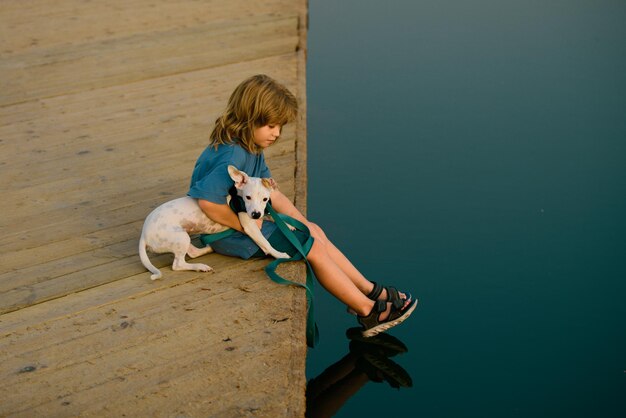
<point>210,181</point>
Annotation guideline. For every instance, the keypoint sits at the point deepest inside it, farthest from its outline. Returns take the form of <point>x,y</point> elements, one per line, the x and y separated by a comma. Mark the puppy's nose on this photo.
<point>256,215</point>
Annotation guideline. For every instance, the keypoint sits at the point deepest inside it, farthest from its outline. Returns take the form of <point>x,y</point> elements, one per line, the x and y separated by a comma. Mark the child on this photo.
<point>257,110</point>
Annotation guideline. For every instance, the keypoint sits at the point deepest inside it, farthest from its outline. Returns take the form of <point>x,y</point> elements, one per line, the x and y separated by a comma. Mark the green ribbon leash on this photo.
<point>312,333</point>
<point>207,239</point>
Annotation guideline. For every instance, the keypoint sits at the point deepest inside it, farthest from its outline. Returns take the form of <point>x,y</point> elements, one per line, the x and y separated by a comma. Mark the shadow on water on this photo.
<point>367,360</point>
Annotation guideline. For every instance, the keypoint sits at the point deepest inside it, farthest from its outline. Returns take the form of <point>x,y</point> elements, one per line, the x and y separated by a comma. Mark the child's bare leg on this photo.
<point>339,284</point>
<point>335,280</point>
<point>364,285</point>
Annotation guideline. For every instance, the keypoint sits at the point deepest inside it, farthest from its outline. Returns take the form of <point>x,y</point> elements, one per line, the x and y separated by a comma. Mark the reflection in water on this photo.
<point>368,359</point>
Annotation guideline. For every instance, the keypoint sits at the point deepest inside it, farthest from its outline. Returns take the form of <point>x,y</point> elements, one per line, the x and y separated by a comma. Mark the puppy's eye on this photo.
<point>248,197</point>
<point>265,199</point>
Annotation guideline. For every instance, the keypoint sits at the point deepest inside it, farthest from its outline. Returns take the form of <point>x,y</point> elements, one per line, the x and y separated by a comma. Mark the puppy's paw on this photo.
<point>203,267</point>
<point>280,255</point>
<point>291,227</point>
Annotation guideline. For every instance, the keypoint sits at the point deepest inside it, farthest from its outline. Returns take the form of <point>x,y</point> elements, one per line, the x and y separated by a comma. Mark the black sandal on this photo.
<point>393,295</point>
<point>372,324</point>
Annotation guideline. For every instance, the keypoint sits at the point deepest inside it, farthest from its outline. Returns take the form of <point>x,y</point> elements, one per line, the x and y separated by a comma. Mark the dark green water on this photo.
<point>474,153</point>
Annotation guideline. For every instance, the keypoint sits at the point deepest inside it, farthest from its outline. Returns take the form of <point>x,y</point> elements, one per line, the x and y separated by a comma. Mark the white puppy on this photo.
<point>167,228</point>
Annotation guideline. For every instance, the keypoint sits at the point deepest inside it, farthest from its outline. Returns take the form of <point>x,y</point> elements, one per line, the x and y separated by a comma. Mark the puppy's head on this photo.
<point>254,191</point>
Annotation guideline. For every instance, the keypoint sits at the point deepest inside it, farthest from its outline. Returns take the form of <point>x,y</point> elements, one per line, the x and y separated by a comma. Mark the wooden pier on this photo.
<point>104,107</point>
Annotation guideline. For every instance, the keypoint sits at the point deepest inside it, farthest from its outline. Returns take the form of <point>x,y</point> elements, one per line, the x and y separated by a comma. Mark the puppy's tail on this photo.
<point>156,273</point>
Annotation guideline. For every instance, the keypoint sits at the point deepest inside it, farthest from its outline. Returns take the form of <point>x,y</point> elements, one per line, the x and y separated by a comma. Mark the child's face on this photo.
<point>265,136</point>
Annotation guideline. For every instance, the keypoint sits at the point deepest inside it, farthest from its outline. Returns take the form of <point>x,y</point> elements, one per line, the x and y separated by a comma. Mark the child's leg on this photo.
<point>364,285</point>
<point>335,280</point>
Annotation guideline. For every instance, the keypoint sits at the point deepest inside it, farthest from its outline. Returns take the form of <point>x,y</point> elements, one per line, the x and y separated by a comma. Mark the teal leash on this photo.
<point>208,239</point>
<point>312,333</point>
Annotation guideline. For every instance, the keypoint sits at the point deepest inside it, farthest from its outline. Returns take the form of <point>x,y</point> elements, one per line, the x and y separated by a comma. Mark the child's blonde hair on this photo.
<point>256,102</point>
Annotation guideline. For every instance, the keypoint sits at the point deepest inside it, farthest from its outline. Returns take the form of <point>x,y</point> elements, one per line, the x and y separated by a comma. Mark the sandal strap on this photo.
<point>372,320</point>
<point>376,291</point>
<point>393,296</point>
<point>397,312</point>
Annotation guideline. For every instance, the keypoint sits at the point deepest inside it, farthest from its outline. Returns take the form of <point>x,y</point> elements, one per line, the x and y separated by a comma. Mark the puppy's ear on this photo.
<point>239,177</point>
<point>269,183</point>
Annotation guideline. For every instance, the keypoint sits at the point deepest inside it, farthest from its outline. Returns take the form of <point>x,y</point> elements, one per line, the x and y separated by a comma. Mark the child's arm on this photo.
<point>282,204</point>
<point>223,214</point>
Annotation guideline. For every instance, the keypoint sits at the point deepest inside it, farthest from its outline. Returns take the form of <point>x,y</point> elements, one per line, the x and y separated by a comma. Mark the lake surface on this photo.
<point>474,153</point>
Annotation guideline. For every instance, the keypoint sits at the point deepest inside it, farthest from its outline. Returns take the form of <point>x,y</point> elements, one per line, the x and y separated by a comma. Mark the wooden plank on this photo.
<point>90,273</point>
<point>64,128</point>
<point>22,173</point>
<point>151,344</point>
<point>21,321</point>
<point>150,113</point>
<point>61,225</point>
<point>130,287</point>
<point>300,153</point>
<point>72,183</point>
<point>112,163</point>
<point>43,281</point>
<point>35,24</point>
<point>30,229</point>
<point>13,260</point>
<point>60,70</point>
<point>86,278</point>
<point>75,268</point>
<point>150,296</point>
